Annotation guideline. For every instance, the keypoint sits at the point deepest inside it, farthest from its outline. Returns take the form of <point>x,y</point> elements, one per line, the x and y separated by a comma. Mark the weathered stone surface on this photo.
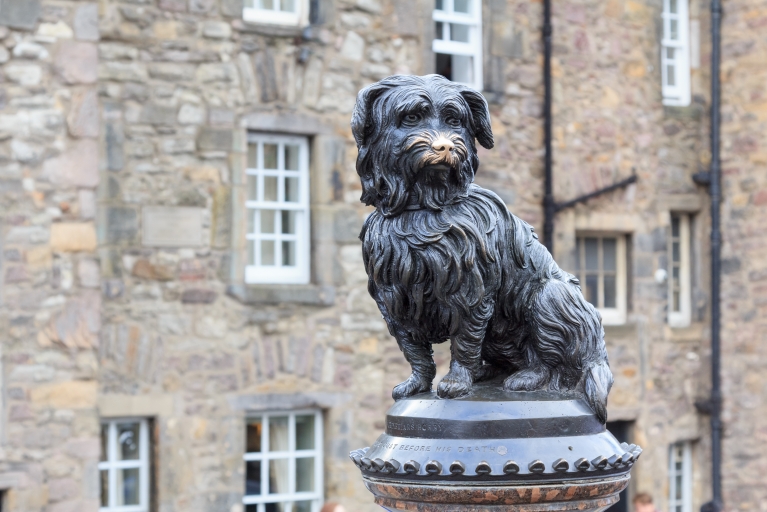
<point>353,47</point>
<point>65,395</point>
<point>23,73</point>
<point>77,62</point>
<point>158,114</point>
<point>120,225</point>
<point>73,237</point>
<point>86,22</point>
<point>21,14</point>
<point>83,118</point>
<point>217,30</point>
<point>211,139</point>
<point>198,296</point>
<point>78,166</point>
<point>232,8</point>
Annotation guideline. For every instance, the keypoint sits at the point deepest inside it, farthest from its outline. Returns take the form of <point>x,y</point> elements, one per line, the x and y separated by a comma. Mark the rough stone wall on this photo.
<point>181,83</point>
<point>50,304</point>
<point>610,123</point>
<point>744,267</point>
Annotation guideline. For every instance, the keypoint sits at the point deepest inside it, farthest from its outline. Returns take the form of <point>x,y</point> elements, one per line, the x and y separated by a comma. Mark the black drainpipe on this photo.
<point>549,205</point>
<point>716,254</point>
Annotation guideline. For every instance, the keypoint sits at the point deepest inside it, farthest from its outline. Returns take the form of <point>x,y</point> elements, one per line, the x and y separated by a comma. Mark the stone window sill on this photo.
<point>307,294</point>
<point>267,29</point>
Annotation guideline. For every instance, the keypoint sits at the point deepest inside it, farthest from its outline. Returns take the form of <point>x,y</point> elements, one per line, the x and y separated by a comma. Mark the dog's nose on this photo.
<point>442,145</point>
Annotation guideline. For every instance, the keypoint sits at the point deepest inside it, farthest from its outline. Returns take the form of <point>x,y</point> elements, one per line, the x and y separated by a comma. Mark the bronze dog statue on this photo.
<point>446,259</point>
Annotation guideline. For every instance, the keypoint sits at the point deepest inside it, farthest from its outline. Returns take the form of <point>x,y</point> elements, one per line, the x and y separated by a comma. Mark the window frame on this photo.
<point>681,318</point>
<point>111,465</point>
<point>679,94</point>
<point>298,17</point>
<point>317,497</point>
<point>473,48</point>
<point>686,476</point>
<point>616,315</point>
<point>255,273</point>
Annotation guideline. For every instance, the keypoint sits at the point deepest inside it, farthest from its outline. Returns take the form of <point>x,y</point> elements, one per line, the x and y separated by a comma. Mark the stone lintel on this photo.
<point>288,401</point>
<point>115,406</point>
<point>308,294</point>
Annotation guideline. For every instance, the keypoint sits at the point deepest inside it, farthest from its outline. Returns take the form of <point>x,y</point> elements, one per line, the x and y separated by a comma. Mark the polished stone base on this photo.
<point>583,496</point>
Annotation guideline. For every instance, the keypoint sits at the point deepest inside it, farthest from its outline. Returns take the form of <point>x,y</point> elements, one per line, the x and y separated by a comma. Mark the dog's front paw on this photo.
<point>456,383</point>
<point>529,379</point>
<point>412,386</point>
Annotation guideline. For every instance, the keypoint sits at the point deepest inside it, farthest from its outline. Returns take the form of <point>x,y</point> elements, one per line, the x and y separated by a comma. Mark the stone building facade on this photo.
<point>127,129</point>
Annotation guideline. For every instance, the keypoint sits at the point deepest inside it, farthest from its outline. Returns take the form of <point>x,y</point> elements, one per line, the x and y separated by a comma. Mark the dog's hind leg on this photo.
<point>419,354</point>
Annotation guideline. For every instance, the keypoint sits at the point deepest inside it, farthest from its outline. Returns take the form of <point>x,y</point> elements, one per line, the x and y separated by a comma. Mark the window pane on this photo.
<point>127,486</point>
<point>267,252</point>
<point>610,292</point>
<point>305,432</point>
<point>291,156</point>
<point>252,187</point>
<point>302,506</point>
<point>104,478</point>
<point>675,273</point>
<point>291,190</point>
<point>305,474</point>
<point>253,435</point>
<point>439,5</point>
<point>288,254</point>
<point>278,476</point>
<point>675,306</point>
<point>276,507</point>
<point>592,256</point>
<point>462,69</point>
<point>609,254</point>
<point>672,6</point>
<point>289,222</point>
<point>678,487</point>
<point>673,29</point>
<point>278,434</point>
<point>270,156</point>
<point>675,227</point>
<point>253,477</point>
<point>461,6</point>
<point>251,221</point>
<point>104,441</point>
<point>270,188</point>
<point>592,291</point>
<point>288,5</point>
<point>459,32</point>
<point>670,53</point>
<point>268,218</point>
<point>670,78</point>
<point>252,156</point>
<point>438,28</point>
<point>675,252</point>
<point>444,65</point>
<point>265,4</point>
<point>128,441</point>
<point>251,252</point>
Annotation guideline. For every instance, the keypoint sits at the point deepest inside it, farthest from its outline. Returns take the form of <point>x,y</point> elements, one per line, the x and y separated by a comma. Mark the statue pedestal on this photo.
<point>495,451</point>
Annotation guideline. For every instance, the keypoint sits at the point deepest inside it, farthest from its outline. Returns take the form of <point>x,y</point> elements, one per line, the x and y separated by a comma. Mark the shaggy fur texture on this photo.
<point>446,259</point>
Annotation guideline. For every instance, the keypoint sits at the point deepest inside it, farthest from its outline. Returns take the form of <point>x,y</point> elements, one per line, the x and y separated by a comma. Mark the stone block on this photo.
<point>78,166</point>
<point>30,50</point>
<point>76,62</point>
<point>216,30</point>
<point>61,489</point>
<point>123,71</point>
<point>158,114</point>
<point>202,6</point>
<point>267,76</point>
<point>83,118</point>
<point>86,22</point>
<point>26,74</point>
<point>76,394</point>
<point>173,5</point>
<point>120,225</point>
<point>214,139</point>
<point>73,237</point>
<point>171,71</point>
<point>198,296</point>
<point>58,30</point>
<point>224,72</point>
<point>114,138</point>
<point>248,77</point>
<point>353,47</point>
<point>191,114</point>
<point>171,226</point>
<point>89,273</point>
<point>232,8</point>
<point>21,14</point>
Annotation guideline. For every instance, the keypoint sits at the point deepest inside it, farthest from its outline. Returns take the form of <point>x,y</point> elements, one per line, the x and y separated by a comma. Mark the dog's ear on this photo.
<point>361,122</point>
<point>480,114</point>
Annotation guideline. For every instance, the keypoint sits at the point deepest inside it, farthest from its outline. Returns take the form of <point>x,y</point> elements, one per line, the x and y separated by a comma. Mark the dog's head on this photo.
<point>415,137</point>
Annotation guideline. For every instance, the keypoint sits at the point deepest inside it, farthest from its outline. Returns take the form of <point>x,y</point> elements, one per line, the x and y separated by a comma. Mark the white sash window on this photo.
<point>458,41</point>
<point>675,53</point>
<point>278,12</point>
<point>124,466</point>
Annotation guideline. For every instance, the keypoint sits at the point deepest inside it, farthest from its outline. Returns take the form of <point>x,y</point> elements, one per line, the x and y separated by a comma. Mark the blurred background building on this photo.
<point>185,324</point>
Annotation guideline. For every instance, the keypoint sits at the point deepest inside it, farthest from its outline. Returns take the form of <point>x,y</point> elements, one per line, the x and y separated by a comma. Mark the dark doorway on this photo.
<point>622,432</point>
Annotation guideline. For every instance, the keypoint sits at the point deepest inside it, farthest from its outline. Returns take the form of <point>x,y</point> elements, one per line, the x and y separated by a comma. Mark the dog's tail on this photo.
<point>599,380</point>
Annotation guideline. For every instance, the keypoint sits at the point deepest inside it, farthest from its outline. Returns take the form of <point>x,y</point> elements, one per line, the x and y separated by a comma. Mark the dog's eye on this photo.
<point>412,118</point>
<point>453,121</point>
